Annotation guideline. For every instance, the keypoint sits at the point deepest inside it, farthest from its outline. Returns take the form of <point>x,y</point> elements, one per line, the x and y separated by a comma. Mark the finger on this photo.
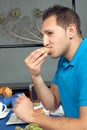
<point>21,95</point>
<point>15,106</point>
<point>34,56</point>
<point>40,60</point>
<point>20,98</point>
<point>30,56</point>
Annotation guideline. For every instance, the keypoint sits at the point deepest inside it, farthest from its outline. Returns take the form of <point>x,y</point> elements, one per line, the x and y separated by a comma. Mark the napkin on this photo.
<point>58,113</point>
<point>14,120</point>
<point>9,101</point>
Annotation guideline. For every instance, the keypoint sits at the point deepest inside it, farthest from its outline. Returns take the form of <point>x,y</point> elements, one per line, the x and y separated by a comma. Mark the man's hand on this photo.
<point>23,108</point>
<point>34,62</point>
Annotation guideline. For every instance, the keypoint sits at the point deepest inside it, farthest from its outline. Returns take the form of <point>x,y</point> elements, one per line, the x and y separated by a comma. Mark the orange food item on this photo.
<point>6,91</point>
<point>40,110</point>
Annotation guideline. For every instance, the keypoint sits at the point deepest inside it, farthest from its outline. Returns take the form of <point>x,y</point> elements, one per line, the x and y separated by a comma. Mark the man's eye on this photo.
<point>49,33</point>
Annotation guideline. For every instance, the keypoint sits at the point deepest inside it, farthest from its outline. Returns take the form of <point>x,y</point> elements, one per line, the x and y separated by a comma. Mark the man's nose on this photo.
<point>45,41</point>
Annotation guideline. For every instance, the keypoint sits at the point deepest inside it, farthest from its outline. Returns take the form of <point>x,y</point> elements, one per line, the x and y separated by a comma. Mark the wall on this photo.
<point>13,69</point>
<point>81,9</point>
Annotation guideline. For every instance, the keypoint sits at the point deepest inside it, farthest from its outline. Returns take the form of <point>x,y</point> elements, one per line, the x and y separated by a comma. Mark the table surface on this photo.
<point>3,125</point>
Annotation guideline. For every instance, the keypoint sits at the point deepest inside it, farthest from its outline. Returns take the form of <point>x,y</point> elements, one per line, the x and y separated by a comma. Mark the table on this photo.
<point>3,125</point>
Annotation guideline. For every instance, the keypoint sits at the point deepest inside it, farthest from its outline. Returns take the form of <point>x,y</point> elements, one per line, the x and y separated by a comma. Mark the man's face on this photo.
<point>55,37</point>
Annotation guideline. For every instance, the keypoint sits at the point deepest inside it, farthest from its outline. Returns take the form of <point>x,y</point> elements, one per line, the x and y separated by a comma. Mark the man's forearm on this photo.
<point>60,123</point>
<point>43,92</point>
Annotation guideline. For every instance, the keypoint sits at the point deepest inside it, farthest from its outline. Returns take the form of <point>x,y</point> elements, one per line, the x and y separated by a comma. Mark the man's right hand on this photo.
<point>34,61</point>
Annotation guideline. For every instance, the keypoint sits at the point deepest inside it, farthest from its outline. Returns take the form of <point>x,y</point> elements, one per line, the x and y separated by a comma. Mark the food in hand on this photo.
<point>6,91</point>
<point>46,50</point>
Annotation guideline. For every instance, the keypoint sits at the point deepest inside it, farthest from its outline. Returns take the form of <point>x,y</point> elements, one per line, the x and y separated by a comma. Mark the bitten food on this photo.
<point>6,91</point>
<point>46,50</point>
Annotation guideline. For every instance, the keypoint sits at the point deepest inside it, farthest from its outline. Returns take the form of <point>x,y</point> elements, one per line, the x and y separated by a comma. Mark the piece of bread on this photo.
<point>6,91</point>
<point>46,50</point>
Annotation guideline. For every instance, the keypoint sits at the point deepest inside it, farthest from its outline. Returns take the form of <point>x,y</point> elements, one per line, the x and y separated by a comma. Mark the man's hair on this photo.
<point>64,16</point>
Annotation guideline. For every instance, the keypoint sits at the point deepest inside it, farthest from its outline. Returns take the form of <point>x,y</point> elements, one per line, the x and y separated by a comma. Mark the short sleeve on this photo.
<point>82,74</point>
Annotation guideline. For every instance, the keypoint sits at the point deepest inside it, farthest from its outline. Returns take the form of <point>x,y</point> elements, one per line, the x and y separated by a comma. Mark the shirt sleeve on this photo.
<point>82,78</point>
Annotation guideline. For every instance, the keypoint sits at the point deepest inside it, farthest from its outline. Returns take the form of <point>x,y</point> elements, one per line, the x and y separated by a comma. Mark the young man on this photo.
<point>61,33</point>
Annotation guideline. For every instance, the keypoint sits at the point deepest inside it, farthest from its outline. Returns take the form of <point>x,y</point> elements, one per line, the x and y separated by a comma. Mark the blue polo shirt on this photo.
<point>71,79</point>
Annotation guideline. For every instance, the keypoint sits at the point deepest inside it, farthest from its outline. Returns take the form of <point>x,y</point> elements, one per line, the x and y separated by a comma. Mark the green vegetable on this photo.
<point>37,128</point>
<point>31,126</point>
<point>18,128</point>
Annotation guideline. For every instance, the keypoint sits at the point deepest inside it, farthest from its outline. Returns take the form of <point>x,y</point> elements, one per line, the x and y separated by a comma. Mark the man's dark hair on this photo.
<point>64,16</point>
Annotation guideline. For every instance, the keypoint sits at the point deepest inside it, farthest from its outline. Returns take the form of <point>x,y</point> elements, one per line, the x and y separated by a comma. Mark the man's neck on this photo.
<point>72,50</point>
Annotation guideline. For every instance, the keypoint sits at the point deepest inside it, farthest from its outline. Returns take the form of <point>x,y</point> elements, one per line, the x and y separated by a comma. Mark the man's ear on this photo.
<point>72,30</point>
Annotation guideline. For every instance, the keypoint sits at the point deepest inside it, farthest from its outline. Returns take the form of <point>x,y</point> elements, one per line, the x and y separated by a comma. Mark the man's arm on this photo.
<point>62,123</point>
<point>33,63</point>
<point>24,110</point>
<point>48,96</point>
